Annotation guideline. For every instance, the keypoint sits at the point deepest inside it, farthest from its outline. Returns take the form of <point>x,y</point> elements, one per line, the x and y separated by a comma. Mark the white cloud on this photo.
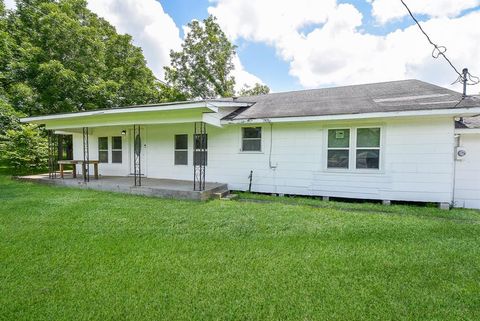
<point>336,52</point>
<point>154,31</point>
<point>386,10</point>
<point>10,4</point>
<point>151,28</point>
<point>243,77</point>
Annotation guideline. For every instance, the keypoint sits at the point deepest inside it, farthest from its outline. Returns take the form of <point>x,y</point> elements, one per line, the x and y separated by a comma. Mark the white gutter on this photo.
<point>466,131</point>
<point>465,112</point>
<point>181,106</point>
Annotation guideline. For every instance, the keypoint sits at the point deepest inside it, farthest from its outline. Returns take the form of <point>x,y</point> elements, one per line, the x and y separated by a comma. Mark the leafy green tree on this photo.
<point>256,90</point>
<point>62,58</point>
<point>24,150</point>
<point>9,118</point>
<point>202,69</point>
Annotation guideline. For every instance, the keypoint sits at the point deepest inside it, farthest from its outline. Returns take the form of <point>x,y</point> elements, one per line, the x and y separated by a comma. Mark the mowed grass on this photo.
<point>69,254</point>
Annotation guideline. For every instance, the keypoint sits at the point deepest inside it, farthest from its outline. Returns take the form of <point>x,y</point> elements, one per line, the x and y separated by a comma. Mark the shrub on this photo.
<point>24,150</point>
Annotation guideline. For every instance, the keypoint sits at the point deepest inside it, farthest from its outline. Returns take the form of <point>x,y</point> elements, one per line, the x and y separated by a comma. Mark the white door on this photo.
<point>142,139</point>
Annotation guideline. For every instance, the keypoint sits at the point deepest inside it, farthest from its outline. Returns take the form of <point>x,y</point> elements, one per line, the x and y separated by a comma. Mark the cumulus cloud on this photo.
<point>243,77</point>
<point>151,28</point>
<point>387,10</point>
<point>336,51</point>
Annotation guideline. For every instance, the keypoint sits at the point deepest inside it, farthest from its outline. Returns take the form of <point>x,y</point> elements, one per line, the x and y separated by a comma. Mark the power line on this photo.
<point>438,51</point>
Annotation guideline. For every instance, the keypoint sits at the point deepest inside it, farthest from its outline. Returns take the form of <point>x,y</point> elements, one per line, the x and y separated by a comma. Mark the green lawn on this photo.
<point>70,254</point>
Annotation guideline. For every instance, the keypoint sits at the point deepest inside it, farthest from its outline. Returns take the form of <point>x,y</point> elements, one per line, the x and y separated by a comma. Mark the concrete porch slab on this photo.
<point>165,188</point>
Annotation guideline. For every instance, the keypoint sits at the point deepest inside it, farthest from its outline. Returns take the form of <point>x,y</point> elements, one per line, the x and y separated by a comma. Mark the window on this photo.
<point>103,149</point>
<point>368,148</point>
<point>181,149</point>
<point>117,149</point>
<point>251,139</point>
<point>338,148</point>
<point>363,152</point>
<point>200,149</point>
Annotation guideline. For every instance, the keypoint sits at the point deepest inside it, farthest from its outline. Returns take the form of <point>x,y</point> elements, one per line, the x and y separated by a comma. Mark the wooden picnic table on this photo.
<point>74,163</point>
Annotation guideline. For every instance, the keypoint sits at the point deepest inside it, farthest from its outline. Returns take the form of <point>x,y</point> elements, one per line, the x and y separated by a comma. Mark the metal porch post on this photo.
<point>137,155</point>
<point>199,155</point>
<point>52,154</point>
<point>86,156</point>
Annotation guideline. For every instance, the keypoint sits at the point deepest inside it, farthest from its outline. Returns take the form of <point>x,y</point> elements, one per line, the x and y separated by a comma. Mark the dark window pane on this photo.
<point>117,142</point>
<point>252,145</point>
<point>181,141</point>
<point>117,156</point>
<point>201,141</point>
<point>103,156</point>
<point>252,132</point>
<point>338,138</point>
<point>338,159</point>
<point>181,157</point>
<point>368,137</point>
<point>200,158</point>
<point>103,143</point>
<point>368,158</point>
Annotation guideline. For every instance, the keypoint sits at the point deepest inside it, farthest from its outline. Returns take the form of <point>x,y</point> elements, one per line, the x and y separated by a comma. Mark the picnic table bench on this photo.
<point>74,163</point>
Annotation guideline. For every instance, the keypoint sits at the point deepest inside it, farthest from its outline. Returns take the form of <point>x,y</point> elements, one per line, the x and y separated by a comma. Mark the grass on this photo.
<point>69,254</point>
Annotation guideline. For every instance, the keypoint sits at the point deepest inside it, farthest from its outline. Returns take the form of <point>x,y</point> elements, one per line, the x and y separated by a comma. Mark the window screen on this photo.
<point>338,148</point>
<point>181,149</point>
<point>103,149</point>
<point>252,139</point>
<point>117,149</point>
<point>368,148</point>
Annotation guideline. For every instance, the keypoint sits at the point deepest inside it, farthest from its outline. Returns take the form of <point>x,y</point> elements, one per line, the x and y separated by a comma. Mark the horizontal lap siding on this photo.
<point>417,155</point>
<point>467,184</point>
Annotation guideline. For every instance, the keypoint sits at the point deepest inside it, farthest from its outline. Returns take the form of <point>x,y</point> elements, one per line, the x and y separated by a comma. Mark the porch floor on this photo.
<point>166,188</point>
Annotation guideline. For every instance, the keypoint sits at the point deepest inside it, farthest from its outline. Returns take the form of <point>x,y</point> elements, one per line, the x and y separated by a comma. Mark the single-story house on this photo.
<point>393,141</point>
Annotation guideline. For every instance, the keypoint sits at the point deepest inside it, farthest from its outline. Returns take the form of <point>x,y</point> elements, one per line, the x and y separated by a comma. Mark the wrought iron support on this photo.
<point>86,156</point>
<point>199,155</point>
<point>52,154</point>
<point>137,155</point>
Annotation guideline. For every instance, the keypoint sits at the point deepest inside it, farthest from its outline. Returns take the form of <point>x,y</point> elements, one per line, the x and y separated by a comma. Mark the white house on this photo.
<point>400,141</point>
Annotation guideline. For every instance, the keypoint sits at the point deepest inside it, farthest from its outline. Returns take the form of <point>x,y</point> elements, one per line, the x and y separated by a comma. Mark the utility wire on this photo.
<point>440,51</point>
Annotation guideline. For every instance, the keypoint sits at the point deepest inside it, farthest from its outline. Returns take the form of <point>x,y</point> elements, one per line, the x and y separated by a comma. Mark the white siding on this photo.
<point>417,159</point>
<point>467,183</point>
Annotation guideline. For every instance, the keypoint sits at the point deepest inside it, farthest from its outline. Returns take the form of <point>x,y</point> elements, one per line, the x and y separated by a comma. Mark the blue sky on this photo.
<point>292,45</point>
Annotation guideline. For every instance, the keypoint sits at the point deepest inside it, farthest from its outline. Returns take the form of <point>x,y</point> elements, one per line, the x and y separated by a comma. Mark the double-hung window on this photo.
<point>251,139</point>
<point>117,149</point>
<point>338,148</point>
<point>181,149</point>
<point>103,149</point>
<point>357,148</point>
<point>368,148</point>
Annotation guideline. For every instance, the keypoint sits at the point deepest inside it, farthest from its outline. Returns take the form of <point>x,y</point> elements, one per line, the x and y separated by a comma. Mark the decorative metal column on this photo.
<point>137,155</point>
<point>199,155</point>
<point>52,154</point>
<point>86,156</point>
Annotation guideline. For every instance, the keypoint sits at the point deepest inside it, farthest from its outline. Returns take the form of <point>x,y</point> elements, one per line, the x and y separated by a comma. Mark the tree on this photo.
<point>9,118</point>
<point>64,58</point>
<point>202,69</point>
<point>24,150</point>
<point>256,90</point>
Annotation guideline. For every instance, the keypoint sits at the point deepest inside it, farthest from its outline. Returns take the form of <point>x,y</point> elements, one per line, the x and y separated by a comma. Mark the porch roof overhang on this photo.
<point>170,113</point>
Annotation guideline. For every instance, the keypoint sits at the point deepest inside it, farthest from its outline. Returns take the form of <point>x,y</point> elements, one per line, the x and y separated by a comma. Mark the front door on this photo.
<point>139,141</point>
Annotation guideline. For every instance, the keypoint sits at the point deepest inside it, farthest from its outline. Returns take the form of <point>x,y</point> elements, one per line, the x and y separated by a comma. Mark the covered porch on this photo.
<point>165,188</point>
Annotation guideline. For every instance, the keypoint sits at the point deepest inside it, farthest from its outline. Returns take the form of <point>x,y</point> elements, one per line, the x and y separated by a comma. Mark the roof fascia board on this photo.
<point>465,112</point>
<point>467,131</point>
<point>195,105</point>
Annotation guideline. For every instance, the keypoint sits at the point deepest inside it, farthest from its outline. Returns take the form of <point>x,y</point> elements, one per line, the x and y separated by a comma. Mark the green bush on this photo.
<point>24,150</point>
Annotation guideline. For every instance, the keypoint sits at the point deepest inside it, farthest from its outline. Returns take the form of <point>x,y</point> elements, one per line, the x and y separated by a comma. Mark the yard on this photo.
<point>69,254</point>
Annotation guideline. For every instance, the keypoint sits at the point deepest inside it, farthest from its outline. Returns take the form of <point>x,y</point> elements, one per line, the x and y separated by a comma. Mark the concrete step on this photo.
<point>229,197</point>
<point>221,194</point>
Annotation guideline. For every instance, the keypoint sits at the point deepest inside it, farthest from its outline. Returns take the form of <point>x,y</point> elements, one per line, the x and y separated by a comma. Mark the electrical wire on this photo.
<point>440,51</point>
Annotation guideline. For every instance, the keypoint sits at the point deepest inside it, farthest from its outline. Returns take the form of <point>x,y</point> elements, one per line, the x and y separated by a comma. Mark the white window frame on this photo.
<point>352,161</point>
<point>340,148</point>
<point>104,150</point>
<point>115,150</point>
<point>261,140</point>
<point>179,150</point>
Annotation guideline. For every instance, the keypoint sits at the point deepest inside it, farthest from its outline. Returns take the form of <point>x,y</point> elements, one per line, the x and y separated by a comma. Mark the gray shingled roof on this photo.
<point>471,122</point>
<point>404,95</point>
